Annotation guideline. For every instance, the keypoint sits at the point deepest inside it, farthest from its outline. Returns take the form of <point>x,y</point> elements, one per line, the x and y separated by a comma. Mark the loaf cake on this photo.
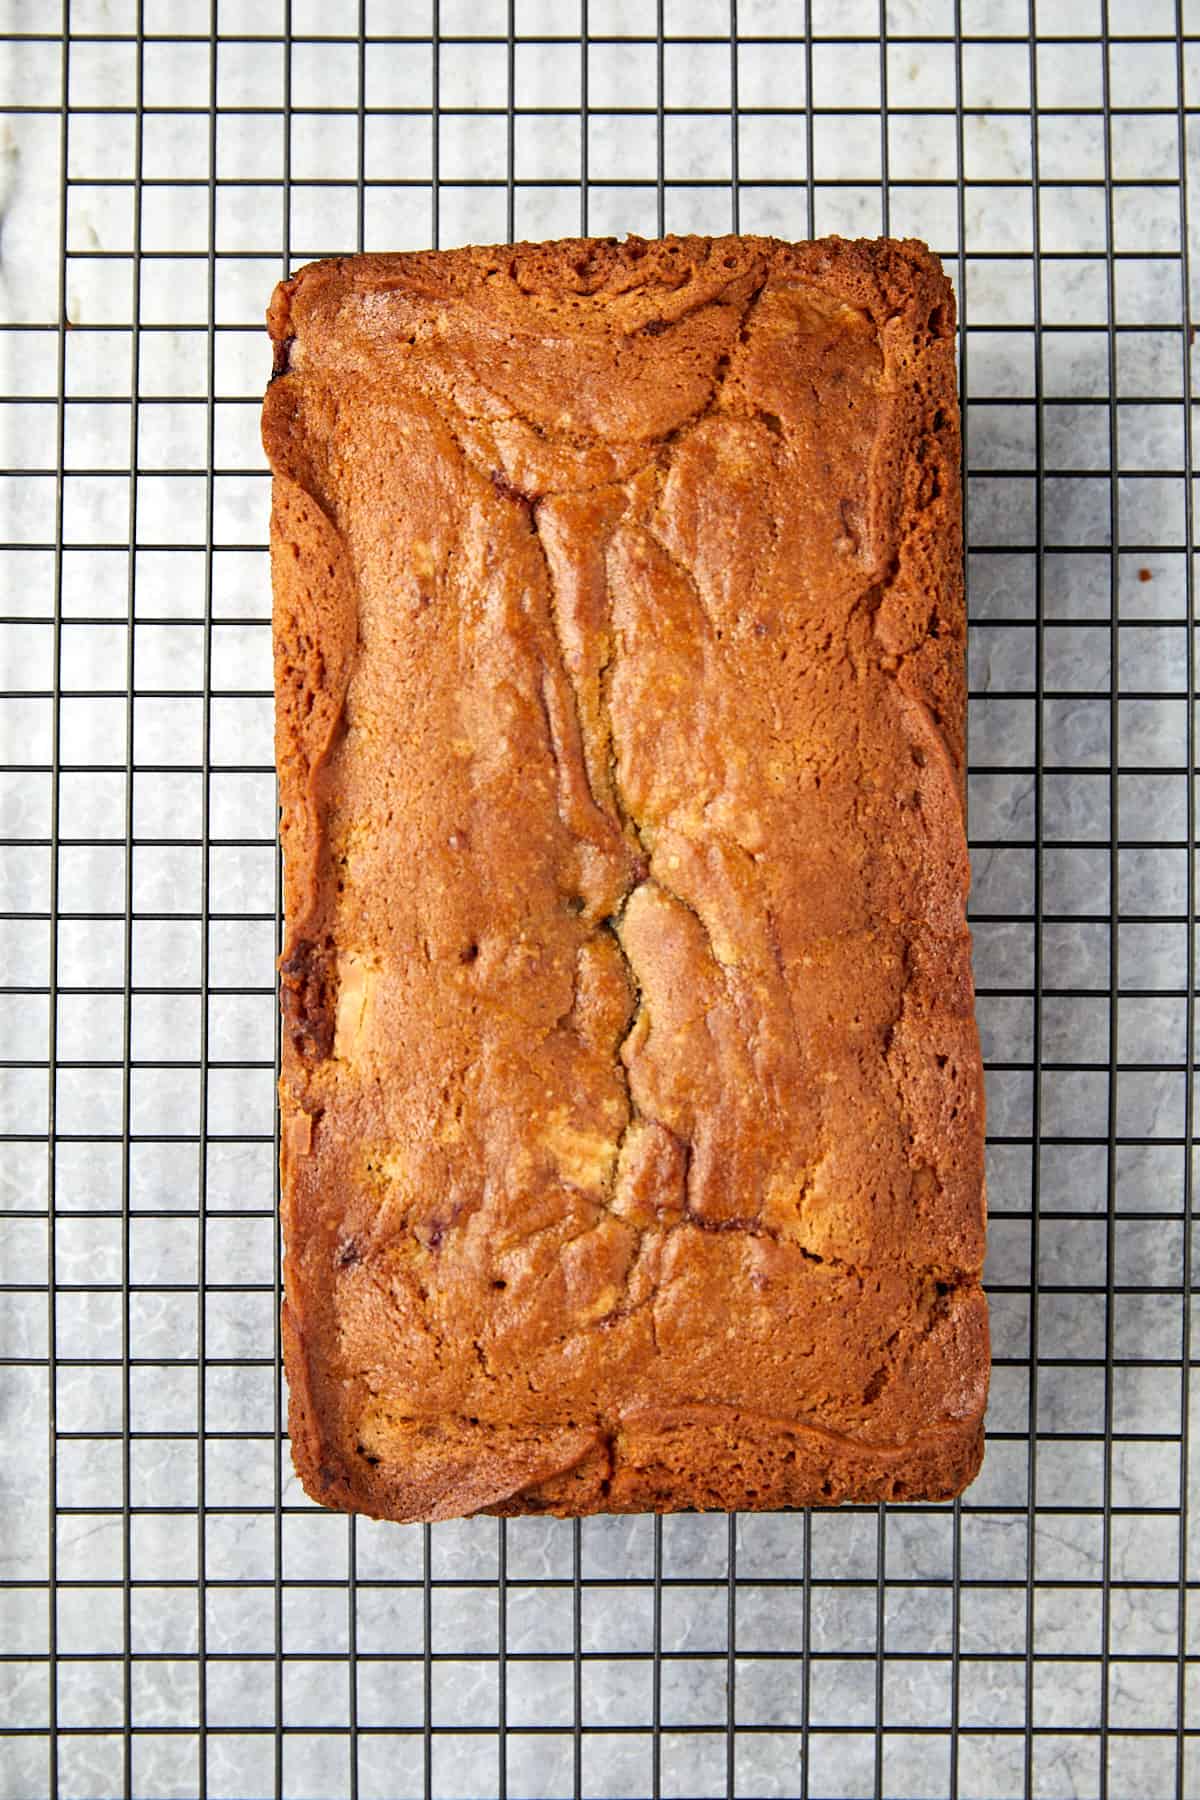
<point>632,1114</point>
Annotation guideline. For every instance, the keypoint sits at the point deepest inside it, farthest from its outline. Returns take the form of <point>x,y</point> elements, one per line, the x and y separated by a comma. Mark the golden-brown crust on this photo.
<point>632,1101</point>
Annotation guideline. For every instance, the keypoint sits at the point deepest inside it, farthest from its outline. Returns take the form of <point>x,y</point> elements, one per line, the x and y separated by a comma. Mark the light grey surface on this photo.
<point>233,1622</point>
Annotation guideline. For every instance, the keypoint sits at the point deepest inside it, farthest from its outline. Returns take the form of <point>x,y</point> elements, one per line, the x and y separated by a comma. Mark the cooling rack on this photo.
<point>175,1618</point>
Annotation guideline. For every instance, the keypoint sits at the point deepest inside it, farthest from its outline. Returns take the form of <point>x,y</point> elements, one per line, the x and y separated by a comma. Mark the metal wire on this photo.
<point>175,1618</point>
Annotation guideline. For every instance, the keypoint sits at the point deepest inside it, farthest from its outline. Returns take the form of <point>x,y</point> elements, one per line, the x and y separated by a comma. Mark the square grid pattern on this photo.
<point>175,1618</point>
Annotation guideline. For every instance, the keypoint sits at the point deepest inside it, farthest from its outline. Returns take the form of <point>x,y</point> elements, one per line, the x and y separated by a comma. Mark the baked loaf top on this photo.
<point>632,1103</point>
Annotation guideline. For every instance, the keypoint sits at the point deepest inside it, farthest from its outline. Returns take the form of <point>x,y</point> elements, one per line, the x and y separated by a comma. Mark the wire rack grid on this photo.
<point>175,1618</point>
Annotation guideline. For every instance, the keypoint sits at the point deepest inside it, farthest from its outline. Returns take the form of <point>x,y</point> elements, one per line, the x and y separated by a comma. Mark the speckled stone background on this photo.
<point>175,1619</point>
